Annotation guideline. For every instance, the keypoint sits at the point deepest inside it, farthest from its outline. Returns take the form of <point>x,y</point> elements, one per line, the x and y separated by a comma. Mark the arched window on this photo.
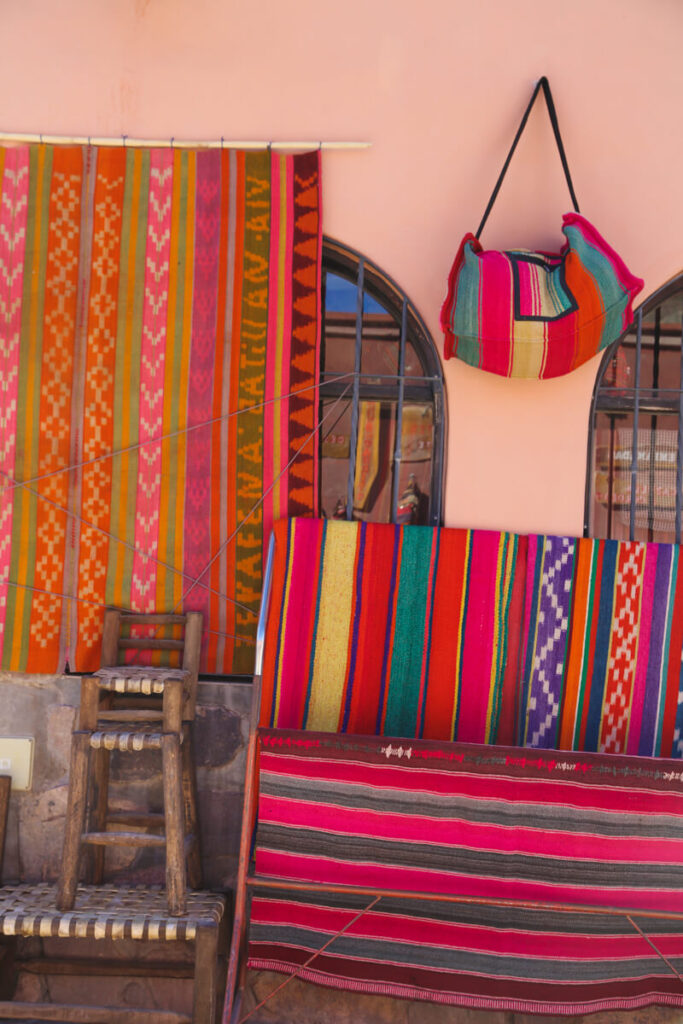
<point>381,398</point>
<point>635,479</point>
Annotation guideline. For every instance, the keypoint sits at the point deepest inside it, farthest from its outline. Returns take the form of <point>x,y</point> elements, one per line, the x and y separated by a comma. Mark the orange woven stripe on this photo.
<point>587,294</point>
<point>61,289</point>
<point>98,434</point>
<point>446,624</point>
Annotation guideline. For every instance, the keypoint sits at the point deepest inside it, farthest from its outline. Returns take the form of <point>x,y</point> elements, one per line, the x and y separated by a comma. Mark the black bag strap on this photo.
<point>541,84</point>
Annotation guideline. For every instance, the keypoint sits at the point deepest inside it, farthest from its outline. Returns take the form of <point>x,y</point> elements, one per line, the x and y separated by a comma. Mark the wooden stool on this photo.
<point>131,707</point>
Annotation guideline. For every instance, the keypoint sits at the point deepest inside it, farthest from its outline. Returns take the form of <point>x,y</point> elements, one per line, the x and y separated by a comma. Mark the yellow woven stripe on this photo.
<point>334,624</point>
<point>528,350</point>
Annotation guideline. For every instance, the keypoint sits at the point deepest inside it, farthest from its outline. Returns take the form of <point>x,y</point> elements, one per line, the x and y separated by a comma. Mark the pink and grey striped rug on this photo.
<point>582,831</point>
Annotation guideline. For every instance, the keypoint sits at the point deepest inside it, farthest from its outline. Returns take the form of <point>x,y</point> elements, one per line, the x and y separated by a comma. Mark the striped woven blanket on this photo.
<point>395,631</point>
<point>603,629</point>
<point>582,830</point>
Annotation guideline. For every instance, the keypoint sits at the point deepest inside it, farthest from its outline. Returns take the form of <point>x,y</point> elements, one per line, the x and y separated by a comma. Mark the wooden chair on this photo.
<point>131,707</point>
<point>7,947</point>
<point>106,914</point>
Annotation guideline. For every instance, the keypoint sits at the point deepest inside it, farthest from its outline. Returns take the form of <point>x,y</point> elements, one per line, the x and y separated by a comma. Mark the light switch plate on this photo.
<point>16,759</point>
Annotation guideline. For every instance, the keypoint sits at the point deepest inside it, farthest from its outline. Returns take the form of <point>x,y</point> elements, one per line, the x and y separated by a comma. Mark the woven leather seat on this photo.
<point>105,912</point>
<point>138,678</point>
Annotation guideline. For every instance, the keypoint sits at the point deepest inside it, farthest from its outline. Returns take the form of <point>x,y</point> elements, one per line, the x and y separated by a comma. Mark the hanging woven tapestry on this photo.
<point>160,318</point>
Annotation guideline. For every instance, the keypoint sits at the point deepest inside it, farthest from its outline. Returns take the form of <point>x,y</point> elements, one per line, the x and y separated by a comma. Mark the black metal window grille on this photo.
<point>382,398</point>
<point>635,445</point>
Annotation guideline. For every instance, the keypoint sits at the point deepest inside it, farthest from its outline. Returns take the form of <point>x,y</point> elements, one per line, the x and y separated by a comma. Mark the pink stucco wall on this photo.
<point>438,88</point>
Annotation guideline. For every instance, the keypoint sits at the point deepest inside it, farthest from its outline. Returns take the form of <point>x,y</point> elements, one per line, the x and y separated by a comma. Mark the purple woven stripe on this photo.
<point>553,601</point>
<point>655,685</point>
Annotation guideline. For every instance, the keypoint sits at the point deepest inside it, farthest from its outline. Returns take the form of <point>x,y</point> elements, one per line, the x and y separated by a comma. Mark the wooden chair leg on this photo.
<point>194,861</point>
<point>75,820</point>
<point>5,787</point>
<point>173,797</point>
<point>100,804</point>
<point>205,974</point>
<point>9,967</point>
<point>238,943</point>
<point>175,833</point>
<point>90,703</point>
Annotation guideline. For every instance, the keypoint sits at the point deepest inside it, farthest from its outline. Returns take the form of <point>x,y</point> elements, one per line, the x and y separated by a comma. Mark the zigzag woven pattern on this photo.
<point>149,298</point>
<point>616,661</point>
<point>546,628</point>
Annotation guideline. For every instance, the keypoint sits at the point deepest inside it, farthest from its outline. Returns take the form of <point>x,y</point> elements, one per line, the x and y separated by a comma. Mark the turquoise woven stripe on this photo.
<point>409,632</point>
<point>465,315</point>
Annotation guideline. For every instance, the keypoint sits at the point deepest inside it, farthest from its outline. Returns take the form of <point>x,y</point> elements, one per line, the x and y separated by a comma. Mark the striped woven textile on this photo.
<point>580,830</point>
<point>395,631</point>
<point>536,314</point>
<point>148,297</point>
<point>604,635</point>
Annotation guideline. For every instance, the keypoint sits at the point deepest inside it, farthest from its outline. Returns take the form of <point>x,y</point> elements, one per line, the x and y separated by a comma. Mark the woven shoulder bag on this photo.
<point>537,314</point>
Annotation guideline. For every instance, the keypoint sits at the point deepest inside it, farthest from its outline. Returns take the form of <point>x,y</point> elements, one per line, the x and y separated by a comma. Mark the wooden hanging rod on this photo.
<point>172,143</point>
